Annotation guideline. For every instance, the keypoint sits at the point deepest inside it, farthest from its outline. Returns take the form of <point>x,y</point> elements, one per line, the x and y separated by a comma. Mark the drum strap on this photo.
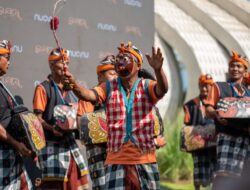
<point>57,91</point>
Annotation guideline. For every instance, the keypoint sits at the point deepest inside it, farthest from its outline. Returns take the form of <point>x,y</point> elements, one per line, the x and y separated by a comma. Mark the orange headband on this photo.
<point>237,58</point>
<point>55,55</point>
<point>4,51</point>
<point>129,49</point>
<point>206,79</point>
<point>106,67</point>
<point>106,64</point>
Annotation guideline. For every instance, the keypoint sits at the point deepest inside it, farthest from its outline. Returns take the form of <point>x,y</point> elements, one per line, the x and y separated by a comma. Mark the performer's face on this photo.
<point>126,65</point>
<point>107,75</point>
<point>4,64</point>
<point>204,90</point>
<point>236,71</point>
<point>59,68</point>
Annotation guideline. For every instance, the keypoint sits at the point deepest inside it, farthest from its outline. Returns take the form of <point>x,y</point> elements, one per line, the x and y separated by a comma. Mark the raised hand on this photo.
<point>156,60</point>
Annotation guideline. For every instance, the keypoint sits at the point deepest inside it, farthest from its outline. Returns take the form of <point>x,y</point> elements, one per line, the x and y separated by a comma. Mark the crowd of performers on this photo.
<point>126,161</point>
<point>225,165</point>
<point>128,94</point>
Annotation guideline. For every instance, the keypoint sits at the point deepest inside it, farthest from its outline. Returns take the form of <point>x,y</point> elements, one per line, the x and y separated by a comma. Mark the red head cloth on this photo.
<point>5,47</point>
<point>206,79</point>
<point>59,54</point>
<point>131,49</point>
<point>237,58</point>
<point>106,64</point>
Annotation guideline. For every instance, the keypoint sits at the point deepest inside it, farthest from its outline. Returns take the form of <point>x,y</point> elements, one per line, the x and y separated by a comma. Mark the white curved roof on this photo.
<point>243,4</point>
<point>199,50</point>
<point>168,105</point>
<point>220,18</point>
<point>238,8</point>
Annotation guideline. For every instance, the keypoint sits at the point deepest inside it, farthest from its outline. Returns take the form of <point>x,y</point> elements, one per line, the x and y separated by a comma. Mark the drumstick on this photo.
<point>54,23</point>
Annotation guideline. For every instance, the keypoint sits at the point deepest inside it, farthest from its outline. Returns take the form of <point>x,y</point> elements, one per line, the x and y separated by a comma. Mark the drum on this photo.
<point>65,117</point>
<point>93,126</point>
<point>198,137</point>
<point>235,110</point>
<point>25,127</point>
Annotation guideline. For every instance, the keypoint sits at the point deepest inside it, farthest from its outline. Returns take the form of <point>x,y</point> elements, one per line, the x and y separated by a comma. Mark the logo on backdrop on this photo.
<point>79,54</point>
<point>12,81</point>
<point>39,49</point>
<point>78,22</point>
<point>10,12</point>
<point>106,27</point>
<point>17,48</point>
<point>43,49</point>
<point>133,3</point>
<point>42,18</point>
<point>133,30</point>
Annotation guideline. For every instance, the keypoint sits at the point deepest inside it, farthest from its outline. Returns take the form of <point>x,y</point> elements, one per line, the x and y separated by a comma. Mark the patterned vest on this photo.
<point>129,119</point>
<point>196,115</point>
<point>53,100</point>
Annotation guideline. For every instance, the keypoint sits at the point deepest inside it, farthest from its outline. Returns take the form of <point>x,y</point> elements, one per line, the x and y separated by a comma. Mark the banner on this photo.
<point>90,29</point>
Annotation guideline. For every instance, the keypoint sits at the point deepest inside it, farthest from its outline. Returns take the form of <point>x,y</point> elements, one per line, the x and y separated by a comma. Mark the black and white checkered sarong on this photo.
<point>96,155</point>
<point>54,159</point>
<point>204,165</point>
<point>11,169</point>
<point>148,175</point>
<point>232,152</point>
